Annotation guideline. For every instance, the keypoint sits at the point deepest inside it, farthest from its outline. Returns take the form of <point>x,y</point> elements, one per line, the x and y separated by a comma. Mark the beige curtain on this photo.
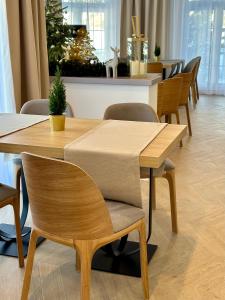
<point>154,18</point>
<point>28,48</point>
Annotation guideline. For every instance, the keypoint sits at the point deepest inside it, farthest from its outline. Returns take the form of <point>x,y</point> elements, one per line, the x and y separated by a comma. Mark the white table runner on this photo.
<point>10,123</point>
<point>109,153</point>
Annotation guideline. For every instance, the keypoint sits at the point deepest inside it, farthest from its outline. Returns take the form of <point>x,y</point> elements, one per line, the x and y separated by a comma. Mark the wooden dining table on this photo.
<point>169,64</point>
<point>39,139</point>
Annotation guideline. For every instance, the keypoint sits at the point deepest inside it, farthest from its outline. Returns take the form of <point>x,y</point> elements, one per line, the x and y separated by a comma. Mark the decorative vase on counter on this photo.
<point>137,49</point>
<point>57,103</point>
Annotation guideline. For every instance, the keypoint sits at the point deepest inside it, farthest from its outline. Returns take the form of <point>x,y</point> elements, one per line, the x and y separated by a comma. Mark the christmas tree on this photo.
<point>57,32</point>
<point>80,49</point>
<point>57,96</point>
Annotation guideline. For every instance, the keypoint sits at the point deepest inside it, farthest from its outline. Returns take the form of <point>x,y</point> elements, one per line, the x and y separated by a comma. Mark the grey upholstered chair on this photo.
<point>40,107</point>
<point>144,113</point>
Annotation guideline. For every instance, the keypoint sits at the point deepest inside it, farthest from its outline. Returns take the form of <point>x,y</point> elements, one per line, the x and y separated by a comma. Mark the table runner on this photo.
<point>10,123</point>
<point>109,153</point>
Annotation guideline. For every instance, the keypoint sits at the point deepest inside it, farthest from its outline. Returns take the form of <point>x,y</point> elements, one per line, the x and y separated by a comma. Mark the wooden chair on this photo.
<point>68,208</point>
<point>187,79</point>
<point>168,99</point>
<point>155,67</point>
<point>175,69</point>
<point>193,67</point>
<point>196,77</point>
<point>141,112</point>
<point>10,196</point>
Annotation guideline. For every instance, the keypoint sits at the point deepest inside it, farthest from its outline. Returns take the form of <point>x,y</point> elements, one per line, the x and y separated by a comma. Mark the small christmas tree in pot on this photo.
<point>57,103</point>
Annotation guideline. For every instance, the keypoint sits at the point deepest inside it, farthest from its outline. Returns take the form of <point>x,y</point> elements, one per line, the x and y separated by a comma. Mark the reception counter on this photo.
<point>89,97</point>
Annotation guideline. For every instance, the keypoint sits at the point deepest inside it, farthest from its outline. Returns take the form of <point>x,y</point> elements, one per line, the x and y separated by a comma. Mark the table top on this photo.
<point>168,63</point>
<point>38,139</point>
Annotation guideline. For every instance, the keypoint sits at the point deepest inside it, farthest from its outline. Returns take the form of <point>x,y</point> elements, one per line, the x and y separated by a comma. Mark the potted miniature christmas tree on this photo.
<point>57,103</point>
<point>157,53</point>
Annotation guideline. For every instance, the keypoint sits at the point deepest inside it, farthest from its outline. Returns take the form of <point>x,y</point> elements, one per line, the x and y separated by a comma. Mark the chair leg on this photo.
<point>85,249</point>
<point>193,91</point>
<point>18,233</point>
<point>189,95</point>
<point>188,119</point>
<point>178,122</point>
<point>77,261</point>
<point>29,265</point>
<point>144,260</point>
<point>170,176</point>
<point>197,91</point>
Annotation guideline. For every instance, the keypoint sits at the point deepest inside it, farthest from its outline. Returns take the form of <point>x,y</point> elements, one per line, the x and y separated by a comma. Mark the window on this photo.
<point>7,103</point>
<point>102,18</point>
<point>204,35</point>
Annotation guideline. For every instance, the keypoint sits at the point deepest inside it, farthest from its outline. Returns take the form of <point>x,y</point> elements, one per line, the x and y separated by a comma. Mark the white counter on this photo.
<point>89,97</point>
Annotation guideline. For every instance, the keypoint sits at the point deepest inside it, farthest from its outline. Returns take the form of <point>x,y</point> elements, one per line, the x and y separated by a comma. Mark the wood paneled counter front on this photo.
<point>89,97</point>
<point>40,140</point>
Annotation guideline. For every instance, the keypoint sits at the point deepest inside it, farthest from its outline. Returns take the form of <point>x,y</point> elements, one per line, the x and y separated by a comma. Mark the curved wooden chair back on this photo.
<point>64,200</point>
<point>187,78</point>
<point>169,94</point>
<point>155,67</point>
<point>139,112</point>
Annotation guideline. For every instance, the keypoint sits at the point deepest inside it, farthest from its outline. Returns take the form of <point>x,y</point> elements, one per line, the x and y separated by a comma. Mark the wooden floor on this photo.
<point>187,266</point>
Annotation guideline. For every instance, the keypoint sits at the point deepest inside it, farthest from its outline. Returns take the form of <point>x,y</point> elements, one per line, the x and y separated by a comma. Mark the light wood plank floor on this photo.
<point>187,266</point>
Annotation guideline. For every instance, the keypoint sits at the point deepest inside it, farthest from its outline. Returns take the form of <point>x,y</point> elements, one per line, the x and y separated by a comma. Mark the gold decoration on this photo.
<point>80,48</point>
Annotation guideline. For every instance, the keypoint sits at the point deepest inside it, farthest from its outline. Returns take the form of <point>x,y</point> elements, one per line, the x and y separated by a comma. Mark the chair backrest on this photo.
<point>64,200</point>
<point>155,67</point>
<point>173,70</point>
<point>187,78</point>
<point>169,94</point>
<point>191,64</point>
<point>40,107</point>
<point>139,112</point>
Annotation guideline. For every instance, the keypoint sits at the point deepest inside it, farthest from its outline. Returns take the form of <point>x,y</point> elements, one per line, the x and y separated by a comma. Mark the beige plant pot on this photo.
<point>57,122</point>
<point>156,58</point>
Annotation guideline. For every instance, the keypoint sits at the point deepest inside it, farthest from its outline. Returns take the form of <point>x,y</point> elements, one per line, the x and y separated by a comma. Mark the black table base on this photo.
<point>8,247</point>
<point>124,264</point>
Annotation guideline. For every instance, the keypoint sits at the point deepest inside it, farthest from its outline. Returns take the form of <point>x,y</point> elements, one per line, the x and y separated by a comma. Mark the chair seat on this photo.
<point>168,165</point>
<point>6,192</point>
<point>123,215</point>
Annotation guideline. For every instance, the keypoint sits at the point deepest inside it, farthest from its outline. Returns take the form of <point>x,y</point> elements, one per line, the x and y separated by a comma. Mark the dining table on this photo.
<point>170,64</point>
<point>39,139</point>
